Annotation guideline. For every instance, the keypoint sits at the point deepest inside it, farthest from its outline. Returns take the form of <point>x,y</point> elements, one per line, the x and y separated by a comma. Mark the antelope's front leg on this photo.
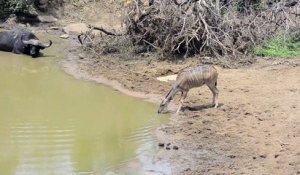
<point>183,96</point>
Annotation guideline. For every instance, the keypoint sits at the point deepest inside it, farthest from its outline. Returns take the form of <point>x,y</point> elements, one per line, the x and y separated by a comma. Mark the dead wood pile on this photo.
<point>213,28</point>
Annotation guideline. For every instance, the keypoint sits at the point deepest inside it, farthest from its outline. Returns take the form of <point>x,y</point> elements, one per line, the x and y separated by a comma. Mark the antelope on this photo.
<point>191,78</point>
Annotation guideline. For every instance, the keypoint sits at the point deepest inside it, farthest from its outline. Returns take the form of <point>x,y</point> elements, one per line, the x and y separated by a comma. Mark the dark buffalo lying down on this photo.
<point>21,42</point>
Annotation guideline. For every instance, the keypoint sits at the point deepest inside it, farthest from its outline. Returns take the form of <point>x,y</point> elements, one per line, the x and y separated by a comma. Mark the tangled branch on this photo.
<point>206,27</point>
<point>209,28</point>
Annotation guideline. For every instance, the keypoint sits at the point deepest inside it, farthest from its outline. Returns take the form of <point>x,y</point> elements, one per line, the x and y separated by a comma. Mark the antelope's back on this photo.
<point>197,76</point>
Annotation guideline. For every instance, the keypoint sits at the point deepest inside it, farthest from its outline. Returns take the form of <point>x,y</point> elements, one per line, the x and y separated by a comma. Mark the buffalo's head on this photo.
<point>35,45</point>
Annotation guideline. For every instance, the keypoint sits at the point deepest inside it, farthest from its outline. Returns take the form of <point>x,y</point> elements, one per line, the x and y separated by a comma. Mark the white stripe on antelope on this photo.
<point>191,78</point>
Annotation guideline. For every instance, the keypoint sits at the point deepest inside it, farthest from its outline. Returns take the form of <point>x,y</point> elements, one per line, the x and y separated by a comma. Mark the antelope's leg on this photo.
<point>183,96</point>
<point>215,92</point>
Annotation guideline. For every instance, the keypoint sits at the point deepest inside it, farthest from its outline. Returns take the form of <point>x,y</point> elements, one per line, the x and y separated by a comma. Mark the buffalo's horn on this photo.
<point>36,42</point>
<point>31,41</point>
<point>44,45</point>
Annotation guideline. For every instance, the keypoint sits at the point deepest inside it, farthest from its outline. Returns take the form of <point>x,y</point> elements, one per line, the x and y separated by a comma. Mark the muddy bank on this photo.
<point>254,131</point>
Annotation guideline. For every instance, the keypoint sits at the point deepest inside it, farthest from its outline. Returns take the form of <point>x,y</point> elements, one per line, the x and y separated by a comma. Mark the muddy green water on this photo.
<point>53,124</point>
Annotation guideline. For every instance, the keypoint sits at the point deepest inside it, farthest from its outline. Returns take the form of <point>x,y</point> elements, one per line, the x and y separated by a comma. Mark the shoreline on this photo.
<point>72,68</point>
<point>212,141</point>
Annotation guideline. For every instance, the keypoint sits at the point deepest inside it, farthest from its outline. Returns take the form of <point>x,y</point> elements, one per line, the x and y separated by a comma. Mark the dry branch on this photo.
<point>103,30</point>
<point>206,27</point>
<point>210,28</point>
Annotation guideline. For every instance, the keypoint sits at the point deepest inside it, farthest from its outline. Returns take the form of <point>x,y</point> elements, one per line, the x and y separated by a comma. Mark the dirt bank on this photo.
<point>254,131</point>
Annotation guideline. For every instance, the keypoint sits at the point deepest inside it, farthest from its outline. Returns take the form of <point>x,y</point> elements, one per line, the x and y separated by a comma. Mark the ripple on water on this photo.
<point>52,124</point>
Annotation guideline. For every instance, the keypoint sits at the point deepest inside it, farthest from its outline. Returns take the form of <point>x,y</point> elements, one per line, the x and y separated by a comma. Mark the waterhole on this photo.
<point>53,124</point>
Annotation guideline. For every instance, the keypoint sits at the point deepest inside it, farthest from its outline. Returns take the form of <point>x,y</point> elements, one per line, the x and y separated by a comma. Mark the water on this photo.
<point>53,124</point>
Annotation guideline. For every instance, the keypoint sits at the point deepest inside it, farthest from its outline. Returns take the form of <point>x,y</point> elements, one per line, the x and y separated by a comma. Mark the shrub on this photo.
<point>279,46</point>
<point>24,7</point>
<point>207,28</point>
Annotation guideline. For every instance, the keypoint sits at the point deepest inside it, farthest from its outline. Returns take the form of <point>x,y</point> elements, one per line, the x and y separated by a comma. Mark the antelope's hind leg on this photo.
<point>215,92</point>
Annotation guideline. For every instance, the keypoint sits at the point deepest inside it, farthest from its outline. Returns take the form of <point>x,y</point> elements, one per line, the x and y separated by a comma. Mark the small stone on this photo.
<point>232,156</point>
<point>47,19</point>
<point>168,144</point>
<point>175,147</point>
<point>188,169</point>
<point>81,56</point>
<point>276,155</point>
<point>161,144</point>
<point>54,28</point>
<point>263,156</point>
<point>64,36</point>
<point>254,158</point>
<point>190,122</point>
<point>168,148</point>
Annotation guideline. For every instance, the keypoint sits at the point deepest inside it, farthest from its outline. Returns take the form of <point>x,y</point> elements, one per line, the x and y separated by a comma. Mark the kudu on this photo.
<point>190,78</point>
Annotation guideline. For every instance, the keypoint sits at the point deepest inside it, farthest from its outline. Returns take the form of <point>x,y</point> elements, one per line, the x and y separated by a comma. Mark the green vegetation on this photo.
<point>280,46</point>
<point>25,7</point>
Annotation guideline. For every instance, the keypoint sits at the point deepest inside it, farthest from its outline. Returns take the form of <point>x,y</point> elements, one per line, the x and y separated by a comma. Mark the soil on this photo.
<point>255,130</point>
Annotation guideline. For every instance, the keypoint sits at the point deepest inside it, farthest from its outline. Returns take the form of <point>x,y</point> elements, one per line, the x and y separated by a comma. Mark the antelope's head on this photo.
<point>163,106</point>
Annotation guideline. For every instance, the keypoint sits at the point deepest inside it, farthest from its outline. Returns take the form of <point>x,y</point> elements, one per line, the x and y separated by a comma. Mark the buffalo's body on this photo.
<point>21,42</point>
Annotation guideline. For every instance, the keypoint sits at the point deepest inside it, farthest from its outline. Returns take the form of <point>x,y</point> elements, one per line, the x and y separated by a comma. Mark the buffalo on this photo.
<point>21,42</point>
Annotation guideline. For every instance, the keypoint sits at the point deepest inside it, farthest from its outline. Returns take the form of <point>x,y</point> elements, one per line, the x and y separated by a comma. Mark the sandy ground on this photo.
<point>254,131</point>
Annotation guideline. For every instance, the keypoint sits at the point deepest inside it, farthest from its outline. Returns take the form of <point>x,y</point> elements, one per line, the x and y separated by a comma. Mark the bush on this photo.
<point>208,28</point>
<point>19,7</point>
<point>279,46</point>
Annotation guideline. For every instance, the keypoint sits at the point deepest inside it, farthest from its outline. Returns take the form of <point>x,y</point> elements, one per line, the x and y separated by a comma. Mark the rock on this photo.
<point>64,36</point>
<point>161,144</point>
<point>46,19</point>
<point>54,28</point>
<point>175,147</point>
<point>263,156</point>
<point>12,20</point>
<point>81,56</point>
<point>168,148</point>
<point>232,156</point>
<point>187,169</point>
<point>76,28</point>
